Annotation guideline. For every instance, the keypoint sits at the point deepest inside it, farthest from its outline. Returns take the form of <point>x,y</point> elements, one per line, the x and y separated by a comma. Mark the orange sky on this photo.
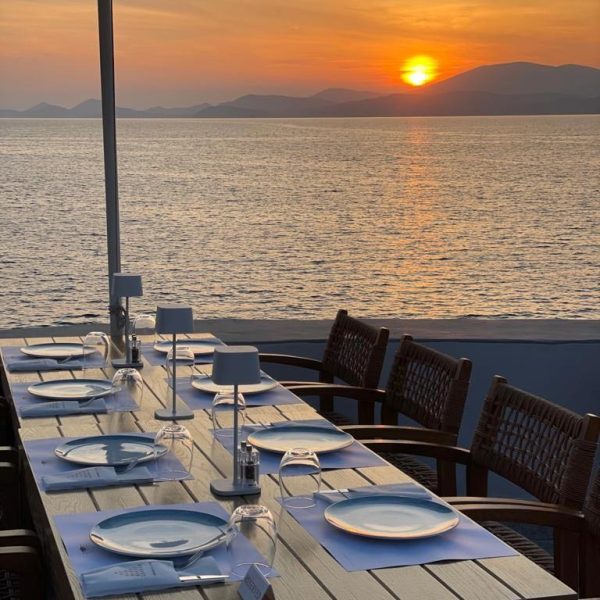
<point>181,52</point>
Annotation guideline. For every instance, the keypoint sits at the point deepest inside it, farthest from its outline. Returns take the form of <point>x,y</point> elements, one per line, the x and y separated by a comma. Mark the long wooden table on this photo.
<point>307,570</point>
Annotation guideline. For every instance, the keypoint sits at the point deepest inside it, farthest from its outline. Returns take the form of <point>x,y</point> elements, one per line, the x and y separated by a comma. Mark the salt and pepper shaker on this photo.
<point>249,464</point>
<point>135,349</point>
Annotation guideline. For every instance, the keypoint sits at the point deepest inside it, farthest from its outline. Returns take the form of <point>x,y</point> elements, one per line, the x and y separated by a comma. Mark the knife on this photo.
<point>203,578</point>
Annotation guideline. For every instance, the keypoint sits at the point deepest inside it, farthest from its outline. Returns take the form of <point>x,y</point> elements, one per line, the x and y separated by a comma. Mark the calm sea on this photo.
<point>390,217</point>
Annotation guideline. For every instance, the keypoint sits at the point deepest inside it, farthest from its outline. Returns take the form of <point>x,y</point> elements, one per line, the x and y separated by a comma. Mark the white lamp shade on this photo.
<point>174,318</point>
<point>125,285</point>
<point>235,365</point>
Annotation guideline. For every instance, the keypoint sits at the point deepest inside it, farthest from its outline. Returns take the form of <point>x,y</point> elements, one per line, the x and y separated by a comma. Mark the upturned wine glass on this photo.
<point>129,380</point>
<point>222,414</point>
<point>177,462</point>
<point>256,524</point>
<point>95,343</point>
<point>299,478</point>
<point>180,364</point>
<point>145,325</point>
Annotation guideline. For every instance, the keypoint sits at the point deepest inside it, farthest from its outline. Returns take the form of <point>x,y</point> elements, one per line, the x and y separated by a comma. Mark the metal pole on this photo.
<point>107,79</point>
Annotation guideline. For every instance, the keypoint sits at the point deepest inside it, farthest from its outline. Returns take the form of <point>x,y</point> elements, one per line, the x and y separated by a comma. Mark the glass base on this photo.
<point>123,363</point>
<point>167,414</point>
<point>226,487</point>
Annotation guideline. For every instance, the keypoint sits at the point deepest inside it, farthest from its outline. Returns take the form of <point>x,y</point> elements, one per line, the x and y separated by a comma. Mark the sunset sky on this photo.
<point>182,52</point>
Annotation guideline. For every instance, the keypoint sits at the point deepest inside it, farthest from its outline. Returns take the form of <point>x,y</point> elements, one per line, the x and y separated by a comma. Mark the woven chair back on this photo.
<point>355,351</point>
<point>427,386</point>
<point>544,448</point>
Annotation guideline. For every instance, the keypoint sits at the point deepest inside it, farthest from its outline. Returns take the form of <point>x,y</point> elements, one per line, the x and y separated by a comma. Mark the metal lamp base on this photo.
<point>167,414</point>
<point>123,363</point>
<point>227,487</point>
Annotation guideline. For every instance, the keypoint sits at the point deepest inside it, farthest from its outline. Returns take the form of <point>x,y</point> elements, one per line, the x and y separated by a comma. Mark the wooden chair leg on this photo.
<point>589,567</point>
<point>446,472</point>
<point>477,481</point>
<point>566,557</point>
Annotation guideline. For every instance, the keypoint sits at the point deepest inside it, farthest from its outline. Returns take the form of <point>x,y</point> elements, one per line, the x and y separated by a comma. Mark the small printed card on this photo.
<point>255,586</point>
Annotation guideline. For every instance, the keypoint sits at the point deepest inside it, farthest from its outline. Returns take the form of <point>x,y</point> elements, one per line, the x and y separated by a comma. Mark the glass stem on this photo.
<point>127,344</point>
<point>236,469</point>
<point>174,371</point>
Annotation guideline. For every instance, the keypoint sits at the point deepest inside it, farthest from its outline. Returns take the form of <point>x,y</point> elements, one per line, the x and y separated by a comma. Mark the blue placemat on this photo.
<point>85,556</point>
<point>12,355</point>
<point>198,400</point>
<point>355,456</point>
<point>43,461</point>
<point>157,359</point>
<point>467,541</point>
<point>122,401</point>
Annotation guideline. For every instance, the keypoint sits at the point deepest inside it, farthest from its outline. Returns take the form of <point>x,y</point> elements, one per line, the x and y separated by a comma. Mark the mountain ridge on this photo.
<point>504,88</point>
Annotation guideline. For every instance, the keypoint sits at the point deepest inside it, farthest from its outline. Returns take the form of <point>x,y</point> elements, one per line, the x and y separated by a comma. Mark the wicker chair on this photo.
<point>354,353</point>
<point>21,572</point>
<point>424,385</point>
<point>545,449</point>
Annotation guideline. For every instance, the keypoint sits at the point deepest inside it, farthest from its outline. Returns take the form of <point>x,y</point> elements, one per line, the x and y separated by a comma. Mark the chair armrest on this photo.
<point>287,384</point>
<point>440,451</point>
<point>505,509</point>
<point>8,454</point>
<point>397,432</point>
<point>371,395</point>
<point>18,537</point>
<point>292,361</point>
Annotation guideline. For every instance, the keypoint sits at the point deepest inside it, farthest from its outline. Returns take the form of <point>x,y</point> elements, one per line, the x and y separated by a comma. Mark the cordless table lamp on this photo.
<point>174,319</point>
<point>235,365</point>
<point>126,286</point>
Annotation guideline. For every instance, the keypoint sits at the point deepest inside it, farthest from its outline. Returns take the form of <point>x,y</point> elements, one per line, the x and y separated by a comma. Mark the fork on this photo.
<point>194,558</point>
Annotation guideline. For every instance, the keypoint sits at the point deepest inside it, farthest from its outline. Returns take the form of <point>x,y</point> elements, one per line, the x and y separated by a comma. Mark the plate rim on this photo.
<point>196,376</point>
<point>33,388</point>
<point>349,440</point>
<point>26,350</point>
<point>100,544</point>
<point>453,523</point>
<point>183,343</point>
<point>69,458</point>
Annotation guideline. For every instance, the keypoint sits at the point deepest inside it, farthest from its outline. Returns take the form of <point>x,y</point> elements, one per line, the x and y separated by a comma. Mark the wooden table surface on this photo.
<point>306,569</point>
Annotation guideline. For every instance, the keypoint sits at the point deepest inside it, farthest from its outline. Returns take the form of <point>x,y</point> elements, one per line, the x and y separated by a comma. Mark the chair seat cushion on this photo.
<point>522,544</point>
<point>419,471</point>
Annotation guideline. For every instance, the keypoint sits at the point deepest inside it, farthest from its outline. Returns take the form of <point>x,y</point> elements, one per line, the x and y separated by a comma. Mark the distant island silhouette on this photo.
<point>518,88</point>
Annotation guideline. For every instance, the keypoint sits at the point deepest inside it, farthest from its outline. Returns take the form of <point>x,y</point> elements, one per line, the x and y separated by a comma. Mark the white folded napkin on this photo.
<point>142,576</point>
<point>64,407</point>
<point>95,477</point>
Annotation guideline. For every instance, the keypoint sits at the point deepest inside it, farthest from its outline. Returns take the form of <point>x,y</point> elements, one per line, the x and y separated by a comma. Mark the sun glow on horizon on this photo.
<point>419,70</point>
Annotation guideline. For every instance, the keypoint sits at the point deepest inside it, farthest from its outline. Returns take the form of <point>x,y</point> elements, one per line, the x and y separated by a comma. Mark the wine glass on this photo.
<point>131,381</point>
<point>178,441</point>
<point>145,325</point>
<point>94,343</point>
<point>299,478</point>
<point>256,524</point>
<point>222,414</point>
<point>180,364</point>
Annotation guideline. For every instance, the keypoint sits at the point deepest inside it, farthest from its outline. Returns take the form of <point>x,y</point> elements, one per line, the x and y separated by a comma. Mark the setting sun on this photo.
<point>419,70</point>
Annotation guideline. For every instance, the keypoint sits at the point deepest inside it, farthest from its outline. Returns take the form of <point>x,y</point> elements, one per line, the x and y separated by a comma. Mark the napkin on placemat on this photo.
<point>141,576</point>
<point>41,364</point>
<point>95,477</point>
<point>407,489</point>
<point>64,407</point>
